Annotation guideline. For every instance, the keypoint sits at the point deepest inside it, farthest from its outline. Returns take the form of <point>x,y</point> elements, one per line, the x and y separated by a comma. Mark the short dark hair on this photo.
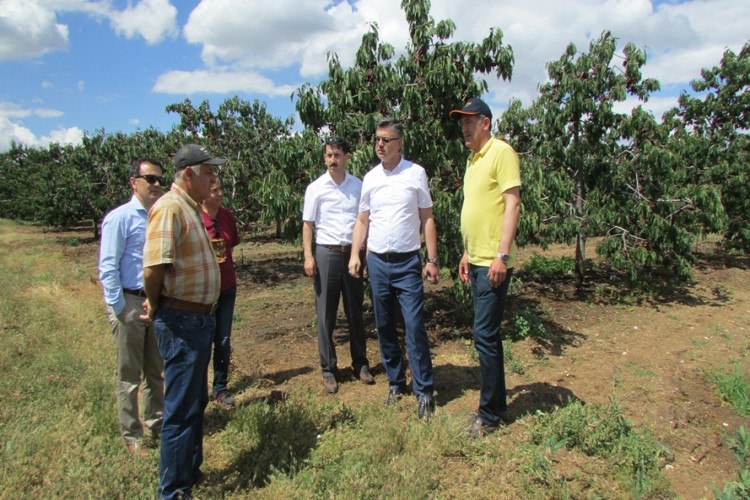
<point>135,167</point>
<point>337,143</point>
<point>391,123</point>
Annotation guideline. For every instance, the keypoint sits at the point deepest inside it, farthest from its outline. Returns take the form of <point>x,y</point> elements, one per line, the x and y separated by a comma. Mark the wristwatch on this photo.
<point>435,261</point>
<point>503,256</point>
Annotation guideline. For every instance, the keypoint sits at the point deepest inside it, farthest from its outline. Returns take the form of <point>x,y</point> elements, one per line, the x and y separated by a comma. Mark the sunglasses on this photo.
<point>151,179</point>
<point>386,140</point>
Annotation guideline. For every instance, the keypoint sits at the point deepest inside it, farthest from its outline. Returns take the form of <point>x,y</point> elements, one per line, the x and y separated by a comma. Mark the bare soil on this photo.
<point>653,356</point>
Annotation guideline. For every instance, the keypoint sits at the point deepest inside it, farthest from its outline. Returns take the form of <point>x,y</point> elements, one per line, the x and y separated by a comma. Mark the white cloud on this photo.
<point>11,110</point>
<point>151,19</point>
<point>29,30</point>
<point>47,85</point>
<point>272,35</point>
<point>680,38</point>
<point>63,135</point>
<point>81,86</point>
<point>10,131</point>
<point>48,113</point>
<point>221,82</point>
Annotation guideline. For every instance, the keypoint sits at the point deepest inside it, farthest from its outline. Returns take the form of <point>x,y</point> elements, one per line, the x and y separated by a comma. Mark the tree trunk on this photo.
<point>580,269</point>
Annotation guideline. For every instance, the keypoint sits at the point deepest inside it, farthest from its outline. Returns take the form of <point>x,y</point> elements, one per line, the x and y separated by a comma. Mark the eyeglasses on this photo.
<point>385,140</point>
<point>151,179</point>
<point>217,232</point>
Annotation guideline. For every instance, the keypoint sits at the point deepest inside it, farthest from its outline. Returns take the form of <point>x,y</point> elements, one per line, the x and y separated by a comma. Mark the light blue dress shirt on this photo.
<point>121,252</point>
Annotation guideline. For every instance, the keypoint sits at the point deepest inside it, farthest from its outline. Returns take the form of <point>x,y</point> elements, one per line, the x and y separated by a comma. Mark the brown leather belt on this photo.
<point>184,305</point>
<point>338,248</point>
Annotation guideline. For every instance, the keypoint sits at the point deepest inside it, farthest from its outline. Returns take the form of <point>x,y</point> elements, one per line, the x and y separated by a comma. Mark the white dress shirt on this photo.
<point>333,208</point>
<point>393,199</point>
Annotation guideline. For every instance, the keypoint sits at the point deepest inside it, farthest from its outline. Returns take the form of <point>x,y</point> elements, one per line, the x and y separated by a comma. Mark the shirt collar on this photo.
<point>484,149</point>
<point>330,180</point>
<point>136,204</point>
<point>186,197</point>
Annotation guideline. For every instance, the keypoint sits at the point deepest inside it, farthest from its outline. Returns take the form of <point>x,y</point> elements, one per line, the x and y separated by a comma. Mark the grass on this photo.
<point>546,268</point>
<point>59,435</point>
<point>739,489</point>
<point>602,431</point>
<point>57,423</point>
<point>734,388</point>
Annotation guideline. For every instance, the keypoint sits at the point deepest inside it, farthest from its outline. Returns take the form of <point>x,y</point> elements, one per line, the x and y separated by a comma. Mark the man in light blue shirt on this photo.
<point>121,274</point>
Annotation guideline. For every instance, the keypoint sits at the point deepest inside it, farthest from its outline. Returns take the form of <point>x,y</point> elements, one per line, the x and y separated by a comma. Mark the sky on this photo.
<point>69,68</point>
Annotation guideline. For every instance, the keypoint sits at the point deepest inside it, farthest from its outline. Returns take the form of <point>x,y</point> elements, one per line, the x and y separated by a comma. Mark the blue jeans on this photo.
<point>222,347</point>
<point>398,282</point>
<point>489,304</point>
<point>184,341</point>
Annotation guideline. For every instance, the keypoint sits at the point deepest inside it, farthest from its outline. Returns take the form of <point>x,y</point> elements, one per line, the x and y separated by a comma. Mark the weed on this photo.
<point>514,364</point>
<point>603,431</point>
<point>734,388</point>
<point>740,446</point>
<point>526,323</point>
<point>545,268</point>
<point>516,286</point>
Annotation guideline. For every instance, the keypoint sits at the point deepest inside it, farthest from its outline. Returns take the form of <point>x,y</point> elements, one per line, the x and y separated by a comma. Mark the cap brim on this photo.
<point>215,161</point>
<point>462,112</point>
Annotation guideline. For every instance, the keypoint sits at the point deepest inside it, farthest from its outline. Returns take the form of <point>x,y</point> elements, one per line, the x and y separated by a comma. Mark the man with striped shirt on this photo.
<point>182,282</point>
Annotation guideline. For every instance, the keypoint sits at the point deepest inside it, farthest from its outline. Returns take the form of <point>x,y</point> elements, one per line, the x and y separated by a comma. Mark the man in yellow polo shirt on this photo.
<point>489,218</point>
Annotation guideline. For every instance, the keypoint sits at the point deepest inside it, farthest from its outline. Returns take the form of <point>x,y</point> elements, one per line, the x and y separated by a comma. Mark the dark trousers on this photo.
<point>489,304</point>
<point>332,281</point>
<point>222,346</point>
<point>397,282</point>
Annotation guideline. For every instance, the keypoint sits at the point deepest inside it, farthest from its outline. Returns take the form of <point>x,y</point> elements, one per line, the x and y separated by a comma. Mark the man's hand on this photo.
<point>310,266</point>
<point>431,273</point>
<point>498,271</point>
<point>354,264</point>
<point>463,268</point>
<point>150,311</point>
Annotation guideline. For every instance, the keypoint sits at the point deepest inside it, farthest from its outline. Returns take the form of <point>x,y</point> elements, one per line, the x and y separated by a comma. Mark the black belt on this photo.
<point>187,306</point>
<point>140,292</point>
<point>395,256</point>
<point>338,248</point>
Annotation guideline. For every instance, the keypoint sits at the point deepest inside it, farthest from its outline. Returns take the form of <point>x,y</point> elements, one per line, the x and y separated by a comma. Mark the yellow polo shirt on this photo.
<point>489,173</point>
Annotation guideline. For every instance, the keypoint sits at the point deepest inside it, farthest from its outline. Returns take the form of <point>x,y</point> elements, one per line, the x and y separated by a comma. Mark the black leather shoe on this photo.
<point>365,376</point>
<point>479,428</point>
<point>394,395</point>
<point>426,407</point>
<point>330,383</point>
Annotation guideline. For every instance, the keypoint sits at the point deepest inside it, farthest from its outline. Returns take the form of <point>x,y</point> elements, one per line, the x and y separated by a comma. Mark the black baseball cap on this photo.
<point>194,154</point>
<point>473,106</point>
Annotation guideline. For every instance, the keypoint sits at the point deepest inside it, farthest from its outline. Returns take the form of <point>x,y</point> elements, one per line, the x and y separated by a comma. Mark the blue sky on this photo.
<point>70,67</point>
